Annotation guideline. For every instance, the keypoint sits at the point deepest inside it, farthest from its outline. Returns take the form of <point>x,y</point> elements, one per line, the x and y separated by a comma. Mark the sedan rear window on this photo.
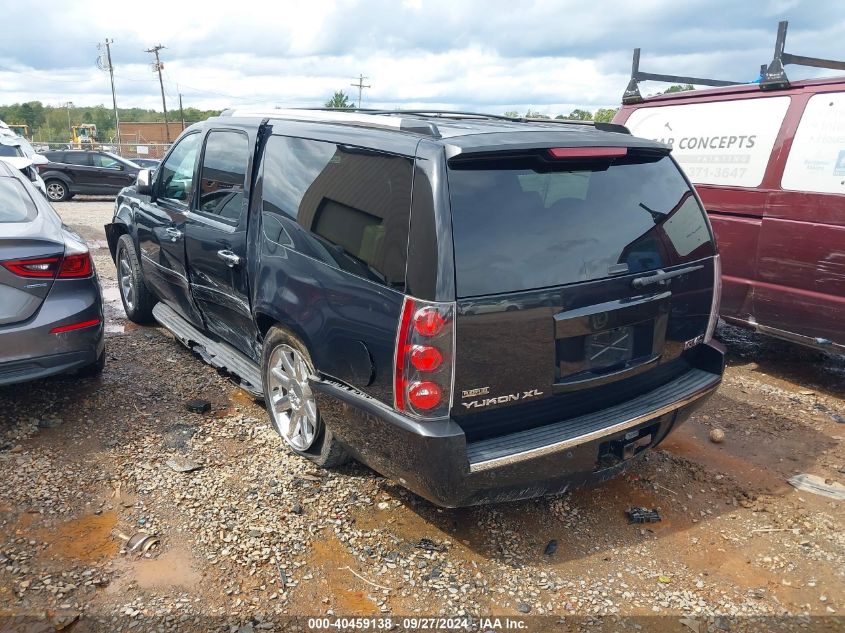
<point>15,203</point>
<point>531,221</point>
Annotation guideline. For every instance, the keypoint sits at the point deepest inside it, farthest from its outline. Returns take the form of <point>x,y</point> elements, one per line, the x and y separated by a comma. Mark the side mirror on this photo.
<point>39,159</point>
<point>120,168</point>
<point>144,183</point>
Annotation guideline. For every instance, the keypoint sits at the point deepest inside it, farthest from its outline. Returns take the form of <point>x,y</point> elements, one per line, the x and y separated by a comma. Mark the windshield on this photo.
<point>529,222</point>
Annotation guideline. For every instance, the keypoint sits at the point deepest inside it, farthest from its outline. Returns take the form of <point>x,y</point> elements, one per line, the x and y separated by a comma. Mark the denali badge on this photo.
<point>469,393</point>
<point>511,397</point>
<point>694,341</point>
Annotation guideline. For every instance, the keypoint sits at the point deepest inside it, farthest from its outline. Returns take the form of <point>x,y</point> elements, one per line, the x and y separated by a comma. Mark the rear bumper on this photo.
<point>28,351</point>
<point>435,461</point>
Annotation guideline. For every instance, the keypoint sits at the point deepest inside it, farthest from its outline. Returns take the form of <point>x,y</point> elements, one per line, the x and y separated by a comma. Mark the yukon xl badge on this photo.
<point>510,397</point>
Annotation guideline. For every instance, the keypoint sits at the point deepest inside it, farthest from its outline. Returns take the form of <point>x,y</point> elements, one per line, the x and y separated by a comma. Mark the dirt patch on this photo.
<point>88,538</point>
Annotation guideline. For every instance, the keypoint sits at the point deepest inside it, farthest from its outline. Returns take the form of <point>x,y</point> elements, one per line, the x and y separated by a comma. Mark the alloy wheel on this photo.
<point>124,276</point>
<point>292,404</point>
<point>55,191</point>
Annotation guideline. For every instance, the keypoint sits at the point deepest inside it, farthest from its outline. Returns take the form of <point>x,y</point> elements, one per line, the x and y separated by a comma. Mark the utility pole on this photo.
<point>108,44</point>
<point>157,67</point>
<point>69,105</point>
<point>181,111</point>
<point>360,85</point>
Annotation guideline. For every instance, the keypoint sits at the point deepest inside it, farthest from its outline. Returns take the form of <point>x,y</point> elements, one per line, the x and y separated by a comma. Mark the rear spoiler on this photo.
<point>772,76</point>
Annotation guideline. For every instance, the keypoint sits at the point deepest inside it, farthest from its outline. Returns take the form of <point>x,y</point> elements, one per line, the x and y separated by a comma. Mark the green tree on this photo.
<point>513,114</point>
<point>677,88</point>
<point>579,115</point>
<point>533,114</point>
<point>605,115</point>
<point>340,101</point>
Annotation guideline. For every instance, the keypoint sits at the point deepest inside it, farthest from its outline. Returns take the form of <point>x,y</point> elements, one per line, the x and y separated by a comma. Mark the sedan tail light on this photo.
<point>71,266</point>
<point>423,362</point>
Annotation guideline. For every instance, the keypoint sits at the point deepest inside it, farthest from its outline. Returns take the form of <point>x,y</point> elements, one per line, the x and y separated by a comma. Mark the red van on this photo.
<point>768,160</point>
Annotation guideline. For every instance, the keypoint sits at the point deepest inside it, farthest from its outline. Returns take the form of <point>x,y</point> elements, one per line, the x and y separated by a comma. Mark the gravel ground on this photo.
<point>257,534</point>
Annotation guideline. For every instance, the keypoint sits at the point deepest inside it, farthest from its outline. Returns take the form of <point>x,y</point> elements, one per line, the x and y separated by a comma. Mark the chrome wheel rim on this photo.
<point>124,277</point>
<point>55,191</point>
<point>292,404</point>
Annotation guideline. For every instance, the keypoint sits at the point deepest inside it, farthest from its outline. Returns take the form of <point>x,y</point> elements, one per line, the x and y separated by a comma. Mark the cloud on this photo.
<point>474,54</point>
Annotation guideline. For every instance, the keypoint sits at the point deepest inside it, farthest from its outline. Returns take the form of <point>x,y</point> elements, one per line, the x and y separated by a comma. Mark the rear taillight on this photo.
<point>717,300</point>
<point>423,363</point>
<point>36,267</point>
<point>76,265</point>
<point>68,267</point>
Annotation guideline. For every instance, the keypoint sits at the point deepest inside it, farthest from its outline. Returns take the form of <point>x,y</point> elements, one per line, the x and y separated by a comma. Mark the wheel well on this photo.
<point>264,322</point>
<point>113,233</point>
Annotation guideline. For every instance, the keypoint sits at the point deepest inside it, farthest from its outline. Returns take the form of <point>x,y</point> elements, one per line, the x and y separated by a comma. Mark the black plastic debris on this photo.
<point>642,515</point>
<point>427,544</point>
<point>551,548</point>
<point>198,406</point>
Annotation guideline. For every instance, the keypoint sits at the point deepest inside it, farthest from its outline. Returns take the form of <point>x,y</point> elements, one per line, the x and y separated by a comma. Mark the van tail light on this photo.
<point>717,299</point>
<point>423,366</point>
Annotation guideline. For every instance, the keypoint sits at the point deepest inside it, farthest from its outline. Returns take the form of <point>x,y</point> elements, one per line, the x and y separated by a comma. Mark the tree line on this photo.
<point>52,123</point>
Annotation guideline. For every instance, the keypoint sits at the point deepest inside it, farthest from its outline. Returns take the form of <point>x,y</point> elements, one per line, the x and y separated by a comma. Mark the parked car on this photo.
<point>322,259</point>
<point>770,169</point>
<point>51,313</point>
<point>147,163</point>
<point>70,172</point>
<point>17,152</point>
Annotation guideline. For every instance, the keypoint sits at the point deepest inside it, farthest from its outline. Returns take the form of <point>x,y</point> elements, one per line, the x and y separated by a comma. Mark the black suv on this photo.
<point>481,308</point>
<point>87,172</point>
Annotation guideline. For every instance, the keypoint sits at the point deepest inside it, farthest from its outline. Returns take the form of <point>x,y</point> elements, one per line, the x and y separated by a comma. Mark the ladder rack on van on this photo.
<point>772,77</point>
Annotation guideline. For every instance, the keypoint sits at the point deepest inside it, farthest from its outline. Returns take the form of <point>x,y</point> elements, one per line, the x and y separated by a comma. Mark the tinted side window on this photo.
<point>223,172</point>
<point>177,172</point>
<point>77,158</point>
<point>102,160</point>
<point>347,206</point>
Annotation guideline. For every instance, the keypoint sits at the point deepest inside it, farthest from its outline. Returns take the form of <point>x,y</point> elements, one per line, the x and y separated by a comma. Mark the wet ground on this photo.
<point>256,535</point>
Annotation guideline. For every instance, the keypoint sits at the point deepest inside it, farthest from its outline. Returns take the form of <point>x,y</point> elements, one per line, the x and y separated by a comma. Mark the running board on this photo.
<point>217,354</point>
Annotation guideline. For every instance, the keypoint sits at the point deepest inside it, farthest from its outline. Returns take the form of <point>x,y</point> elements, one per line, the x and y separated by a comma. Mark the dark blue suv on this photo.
<point>481,308</point>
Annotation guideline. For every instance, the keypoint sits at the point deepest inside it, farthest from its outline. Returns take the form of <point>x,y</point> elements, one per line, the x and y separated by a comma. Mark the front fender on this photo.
<point>123,223</point>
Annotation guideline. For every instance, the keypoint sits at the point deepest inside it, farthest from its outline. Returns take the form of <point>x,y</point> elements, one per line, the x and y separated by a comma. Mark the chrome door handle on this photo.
<point>229,257</point>
<point>174,234</point>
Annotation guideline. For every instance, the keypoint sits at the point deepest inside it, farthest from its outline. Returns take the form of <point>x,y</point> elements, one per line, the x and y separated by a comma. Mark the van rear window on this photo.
<point>15,203</point>
<point>527,222</point>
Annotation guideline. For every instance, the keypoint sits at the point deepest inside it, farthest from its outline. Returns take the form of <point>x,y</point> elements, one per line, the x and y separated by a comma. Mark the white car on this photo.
<point>16,151</point>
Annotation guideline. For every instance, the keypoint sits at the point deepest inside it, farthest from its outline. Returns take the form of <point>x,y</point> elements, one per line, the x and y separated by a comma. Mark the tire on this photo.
<point>137,301</point>
<point>297,420</point>
<point>95,368</point>
<point>57,191</point>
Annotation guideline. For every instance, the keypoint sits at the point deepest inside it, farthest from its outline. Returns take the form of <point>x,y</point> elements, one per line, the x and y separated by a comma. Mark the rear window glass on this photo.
<point>10,150</point>
<point>528,222</point>
<point>15,203</point>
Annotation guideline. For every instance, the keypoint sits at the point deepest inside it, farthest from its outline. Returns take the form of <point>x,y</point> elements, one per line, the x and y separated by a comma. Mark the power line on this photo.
<point>360,85</point>
<point>157,67</point>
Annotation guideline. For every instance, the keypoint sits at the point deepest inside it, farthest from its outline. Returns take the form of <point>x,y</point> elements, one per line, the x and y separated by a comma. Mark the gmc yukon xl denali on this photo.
<point>478,307</point>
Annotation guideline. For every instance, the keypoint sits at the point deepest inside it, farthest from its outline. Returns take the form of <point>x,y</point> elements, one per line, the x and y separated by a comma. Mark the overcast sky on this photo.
<point>482,55</point>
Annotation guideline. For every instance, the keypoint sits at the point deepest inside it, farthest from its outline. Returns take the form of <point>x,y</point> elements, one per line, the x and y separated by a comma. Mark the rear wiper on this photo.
<point>661,276</point>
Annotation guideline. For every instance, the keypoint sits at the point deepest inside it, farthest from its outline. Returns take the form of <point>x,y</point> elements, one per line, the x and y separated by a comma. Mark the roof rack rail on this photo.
<point>772,76</point>
<point>367,118</point>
